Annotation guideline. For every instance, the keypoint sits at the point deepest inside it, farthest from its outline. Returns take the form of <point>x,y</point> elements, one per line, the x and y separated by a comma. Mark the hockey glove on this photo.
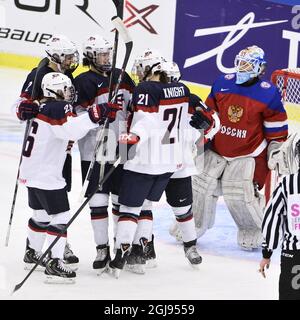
<point>202,119</point>
<point>28,109</point>
<point>127,146</point>
<point>99,112</point>
<point>206,119</point>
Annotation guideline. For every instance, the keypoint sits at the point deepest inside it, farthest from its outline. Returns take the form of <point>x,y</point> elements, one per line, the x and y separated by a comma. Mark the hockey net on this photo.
<point>288,83</point>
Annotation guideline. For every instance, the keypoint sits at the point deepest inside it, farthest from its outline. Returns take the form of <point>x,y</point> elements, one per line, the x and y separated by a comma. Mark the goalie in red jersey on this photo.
<point>253,123</point>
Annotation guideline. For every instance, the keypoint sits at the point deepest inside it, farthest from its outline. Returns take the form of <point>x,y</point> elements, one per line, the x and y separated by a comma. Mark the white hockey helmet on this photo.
<point>58,86</point>
<point>249,63</point>
<point>137,71</point>
<point>63,53</point>
<point>98,52</point>
<point>172,71</point>
<point>149,62</point>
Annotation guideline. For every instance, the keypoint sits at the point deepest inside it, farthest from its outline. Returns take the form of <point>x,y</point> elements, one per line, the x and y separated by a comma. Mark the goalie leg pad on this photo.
<point>244,204</point>
<point>206,190</point>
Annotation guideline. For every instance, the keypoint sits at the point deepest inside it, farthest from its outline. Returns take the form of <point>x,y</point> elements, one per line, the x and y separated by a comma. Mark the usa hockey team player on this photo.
<point>63,57</point>
<point>179,188</point>
<point>159,119</point>
<point>41,171</point>
<point>281,222</point>
<point>93,88</point>
<point>253,122</point>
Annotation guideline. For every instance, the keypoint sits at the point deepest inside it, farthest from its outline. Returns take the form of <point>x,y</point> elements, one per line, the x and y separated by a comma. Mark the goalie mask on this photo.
<point>98,52</point>
<point>63,53</point>
<point>172,71</point>
<point>249,64</point>
<point>147,64</point>
<point>58,86</point>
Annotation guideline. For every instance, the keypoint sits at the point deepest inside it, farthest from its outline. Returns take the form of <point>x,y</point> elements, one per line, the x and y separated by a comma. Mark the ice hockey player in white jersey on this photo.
<point>41,171</point>
<point>92,87</point>
<point>160,111</point>
<point>179,188</point>
<point>64,58</point>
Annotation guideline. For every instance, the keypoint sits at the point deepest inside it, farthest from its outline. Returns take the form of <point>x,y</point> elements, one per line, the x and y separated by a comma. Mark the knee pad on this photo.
<point>61,218</point>
<point>131,210</point>
<point>99,200</point>
<point>244,203</point>
<point>41,216</point>
<point>206,190</point>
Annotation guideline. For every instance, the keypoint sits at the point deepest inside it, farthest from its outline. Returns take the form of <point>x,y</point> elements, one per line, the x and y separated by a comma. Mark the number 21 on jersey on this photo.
<point>172,116</point>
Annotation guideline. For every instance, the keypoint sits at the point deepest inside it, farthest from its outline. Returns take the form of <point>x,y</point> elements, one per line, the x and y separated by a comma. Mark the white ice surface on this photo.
<point>226,272</point>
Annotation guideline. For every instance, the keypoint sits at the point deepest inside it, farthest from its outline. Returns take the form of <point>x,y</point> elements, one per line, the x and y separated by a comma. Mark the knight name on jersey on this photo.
<point>174,92</point>
<point>239,133</point>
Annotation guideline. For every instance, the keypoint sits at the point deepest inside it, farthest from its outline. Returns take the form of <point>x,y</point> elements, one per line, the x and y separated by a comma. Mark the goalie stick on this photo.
<point>34,95</point>
<point>101,133</point>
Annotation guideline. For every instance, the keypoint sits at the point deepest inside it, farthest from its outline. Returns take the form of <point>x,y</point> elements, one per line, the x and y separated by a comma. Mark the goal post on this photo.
<point>288,83</point>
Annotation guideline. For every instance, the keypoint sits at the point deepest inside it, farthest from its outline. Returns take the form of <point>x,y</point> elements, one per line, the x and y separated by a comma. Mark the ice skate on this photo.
<point>150,255</point>
<point>193,256</point>
<point>31,257</point>
<point>101,263</point>
<point>118,263</point>
<point>136,261</point>
<point>70,258</point>
<point>57,272</point>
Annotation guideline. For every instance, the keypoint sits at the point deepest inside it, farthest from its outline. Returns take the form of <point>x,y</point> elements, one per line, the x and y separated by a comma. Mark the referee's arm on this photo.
<point>273,222</point>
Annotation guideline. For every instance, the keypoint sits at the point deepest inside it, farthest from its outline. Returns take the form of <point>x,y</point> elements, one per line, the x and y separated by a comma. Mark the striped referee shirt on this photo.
<point>281,220</point>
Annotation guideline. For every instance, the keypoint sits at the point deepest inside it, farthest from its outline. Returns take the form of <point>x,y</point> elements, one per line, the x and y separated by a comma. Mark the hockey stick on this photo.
<point>100,136</point>
<point>34,95</point>
<point>19,285</point>
<point>119,4</point>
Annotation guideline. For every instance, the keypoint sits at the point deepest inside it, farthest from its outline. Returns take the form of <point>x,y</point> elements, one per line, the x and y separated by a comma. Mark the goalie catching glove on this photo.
<point>127,146</point>
<point>99,112</point>
<point>284,156</point>
<point>28,109</point>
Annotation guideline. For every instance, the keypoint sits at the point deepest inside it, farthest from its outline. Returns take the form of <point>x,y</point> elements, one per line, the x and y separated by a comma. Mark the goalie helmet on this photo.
<point>98,52</point>
<point>149,62</point>
<point>58,86</point>
<point>172,71</point>
<point>249,64</point>
<point>63,53</point>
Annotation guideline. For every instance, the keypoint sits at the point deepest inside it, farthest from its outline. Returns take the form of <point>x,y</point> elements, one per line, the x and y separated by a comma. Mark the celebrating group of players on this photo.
<point>156,127</point>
